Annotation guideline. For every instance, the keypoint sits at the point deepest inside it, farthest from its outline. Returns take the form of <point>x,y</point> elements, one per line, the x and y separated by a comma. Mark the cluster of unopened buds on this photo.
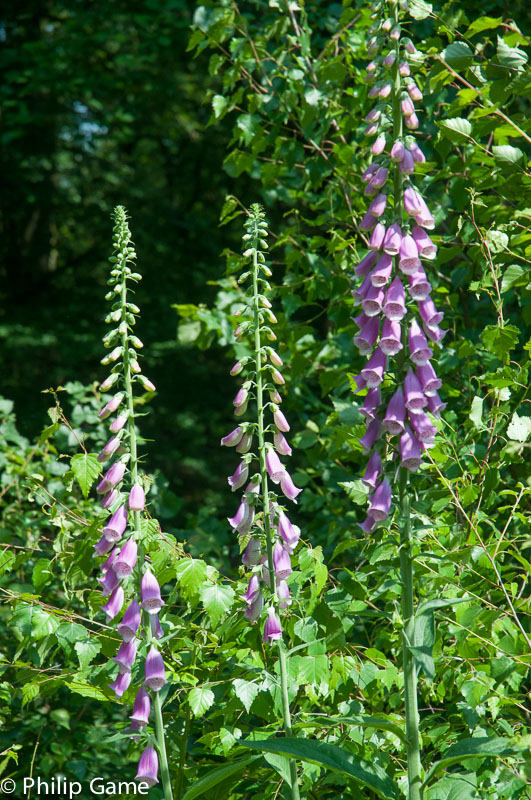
<point>398,316</point>
<point>261,518</point>
<point>123,496</point>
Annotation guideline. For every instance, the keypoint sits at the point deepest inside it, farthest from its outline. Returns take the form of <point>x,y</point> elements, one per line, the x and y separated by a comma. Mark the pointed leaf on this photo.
<point>200,700</point>
<point>331,757</point>
<point>245,691</point>
<point>217,775</point>
<point>217,601</point>
<point>86,468</point>
<point>484,746</point>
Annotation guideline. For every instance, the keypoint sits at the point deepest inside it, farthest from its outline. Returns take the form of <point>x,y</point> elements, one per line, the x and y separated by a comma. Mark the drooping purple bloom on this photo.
<point>368,222</point>
<point>371,403</point>
<point>252,552</point>
<point>130,623</point>
<point>252,612</point>
<point>288,487</point>
<point>137,500</point>
<point>126,560</point>
<point>281,444</point>
<point>155,676</point>
<point>114,604</point>
<point>121,684</point>
<point>368,524</point>
<point>241,397</point>
<point>372,302</point>
<point>111,447</point>
<point>148,767</point>
<point>126,655</point>
<point>412,201</point>
<point>117,524</point>
<point>366,337</point>
<point>426,247</point>
<point>410,456</point>
<point>373,470</point>
<point>419,286</point>
<point>407,164</point>
<point>377,237</point>
<point>396,413</point>
<point>109,499</point>
<point>412,122</point>
<point>417,154</point>
<point>381,274</point>
<point>397,151</point>
<point>378,205</point>
<point>272,628</point>
<point>245,443</point>
<point>275,468</point>
<point>108,582</point>
<point>390,340</point>
<point>280,421</point>
<point>370,436</point>
<point>415,399</point>
<point>111,406</point>
<point>239,477</point>
<point>373,372</point>
<point>281,562</point>
<point>435,404</point>
<point>365,264</point>
<point>112,477</point>
<point>240,516</point>
<point>409,261</point>
<point>108,564</point>
<point>118,423</point>
<point>419,350</point>
<point>392,240</point>
<point>284,595</point>
<point>252,590</point>
<point>381,501</point>
<point>425,430</point>
<point>152,602</point>
<point>428,379</point>
<point>141,707</point>
<point>289,533</point>
<point>103,546</point>
<point>233,438</point>
<point>395,301</point>
<point>379,143</point>
<point>429,313</point>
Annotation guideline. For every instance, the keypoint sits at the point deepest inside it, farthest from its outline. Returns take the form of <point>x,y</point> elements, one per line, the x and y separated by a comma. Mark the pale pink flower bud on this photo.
<point>404,69</point>
<point>281,444</point>
<point>288,487</point>
<point>397,151</point>
<point>233,438</point>
<point>389,60</point>
<point>280,421</point>
<point>378,145</point>
<point>277,377</point>
<point>407,165</point>
<point>118,423</point>
<point>414,91</point>
<point>368,222</point>
<point>137,499</point>
<point>377,237</point>
<point>407,106</point>
<point>412,122</point>
<point>237,480</point>
<point>237,368</point>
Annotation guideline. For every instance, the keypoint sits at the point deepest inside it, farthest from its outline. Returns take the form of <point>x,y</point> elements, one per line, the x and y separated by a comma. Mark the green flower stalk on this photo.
<point>125,575</point>
<point>261,522</point>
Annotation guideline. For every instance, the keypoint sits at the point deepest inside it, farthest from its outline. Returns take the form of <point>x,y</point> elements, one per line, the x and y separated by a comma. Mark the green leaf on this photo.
<point>500,341</point>
<point>219,104</point>
<point>86,690</point>
<point>7,559</point>
<point>484,746</point>
<point>86,468</point>
<point>507,154</point>
<point>87,651</point>
<point>456,129</point>
<point>280,764</point>
<point>331,757</point>
<point>361,721</point>
<point>476,411</point>
<point>453,787</point>
<point>191,574</point>
<point>200,699</point>
<point>356,491</point>
<point>41,574</point>
<point>497,240</point>
<point>313,669</point>
<point>419,9</point>
<point>458,55</point>
<point>245,691</point>
<point>47,432</point>
<point>29,692</point>
<point>519,428</point>
<point>483,24</point>
<point>217,775</point>
<point>510,57</point>
<point>512,276</point>
<point>217,601</point>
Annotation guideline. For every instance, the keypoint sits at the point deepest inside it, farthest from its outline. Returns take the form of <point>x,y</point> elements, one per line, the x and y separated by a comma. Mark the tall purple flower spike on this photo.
<point>398,312</point>
<point>262,381</point>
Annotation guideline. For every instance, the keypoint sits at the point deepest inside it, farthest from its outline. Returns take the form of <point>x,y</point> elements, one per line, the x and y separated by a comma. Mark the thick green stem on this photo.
<point>133,465</point>
<point>414,766</point>
<point>282,656</point>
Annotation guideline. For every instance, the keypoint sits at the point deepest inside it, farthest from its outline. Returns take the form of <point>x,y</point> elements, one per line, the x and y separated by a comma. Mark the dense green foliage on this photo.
<point>104,107</point>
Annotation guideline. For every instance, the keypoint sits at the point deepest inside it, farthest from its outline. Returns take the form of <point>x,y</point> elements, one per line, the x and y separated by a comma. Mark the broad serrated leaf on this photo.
<point>86,468</point>
<point>356,490</point>
<point>483,24</point>
<point>217,601</point>
<point>245,691</point>
<point>313,669</point>
<point>500,341</point>
<point>217,775</point>
<point>457,129</point>
<point>41,574</point>
<point>87,651</point>
<point>219,104</point>
<point>512,275</point>
<point>419,9</point>
<point>29,692</point>
<point>511,57</point>
<point>507,154</point>
<point>332,757</point>
<point>200,700</point>
<point>458,55</point>
<point>484,746</point>
<point>7,559</point>
<point>519,428</point>
<point>86,690</point>
<point>191,575</point>
<point>476,411</point>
